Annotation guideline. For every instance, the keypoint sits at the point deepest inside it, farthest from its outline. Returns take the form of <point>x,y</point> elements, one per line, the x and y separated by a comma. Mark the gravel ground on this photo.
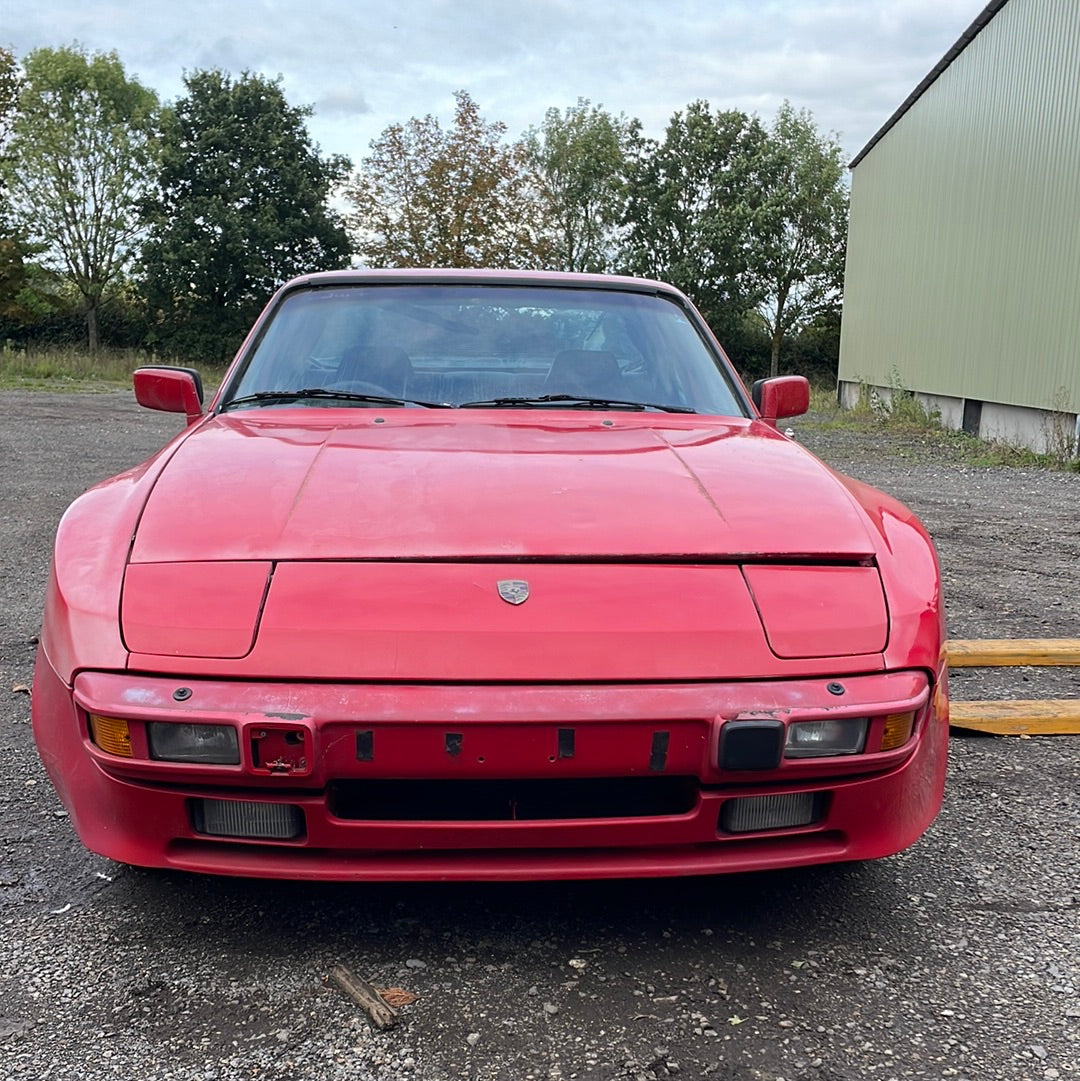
<point>959,958</point>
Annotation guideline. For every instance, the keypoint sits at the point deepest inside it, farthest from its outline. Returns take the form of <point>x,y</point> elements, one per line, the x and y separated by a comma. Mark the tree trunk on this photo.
<point>778,330</point>
<point>774,354</point>
<point>92,325</point>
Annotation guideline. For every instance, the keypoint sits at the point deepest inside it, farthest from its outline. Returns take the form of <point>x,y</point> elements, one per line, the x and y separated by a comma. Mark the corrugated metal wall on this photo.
<point>963,263</point>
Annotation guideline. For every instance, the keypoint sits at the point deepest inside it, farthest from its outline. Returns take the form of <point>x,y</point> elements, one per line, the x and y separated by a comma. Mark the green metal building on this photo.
<point>962,281</point>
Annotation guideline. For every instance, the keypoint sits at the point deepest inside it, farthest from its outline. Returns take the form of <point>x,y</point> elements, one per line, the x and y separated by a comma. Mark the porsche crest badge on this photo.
<point>513,590</point>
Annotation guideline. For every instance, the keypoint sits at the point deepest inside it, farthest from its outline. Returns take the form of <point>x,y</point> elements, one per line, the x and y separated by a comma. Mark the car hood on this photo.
<point>419,485</point>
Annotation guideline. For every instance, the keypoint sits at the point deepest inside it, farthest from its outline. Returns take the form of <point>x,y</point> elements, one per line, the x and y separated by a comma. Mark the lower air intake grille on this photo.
<point>508,801</point>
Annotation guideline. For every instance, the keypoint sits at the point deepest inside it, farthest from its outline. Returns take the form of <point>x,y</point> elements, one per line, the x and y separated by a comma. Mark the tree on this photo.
<point>79,159</point>
<point>12,272</point>
<point>580,158</point>
<point>241,205</point>
<point>9,100</point>
<point>12,277</point>
<point>692,205</point>
<point>9,94</point>
<point>798,255</point>
<point>458,198</point>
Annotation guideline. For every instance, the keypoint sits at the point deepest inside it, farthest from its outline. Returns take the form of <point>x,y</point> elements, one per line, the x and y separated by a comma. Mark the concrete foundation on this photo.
<point>1041,430</point>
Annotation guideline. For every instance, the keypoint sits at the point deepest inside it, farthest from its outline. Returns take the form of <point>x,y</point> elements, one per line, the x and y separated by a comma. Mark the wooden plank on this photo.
<point>992,652</point>
<point>1045,717</point>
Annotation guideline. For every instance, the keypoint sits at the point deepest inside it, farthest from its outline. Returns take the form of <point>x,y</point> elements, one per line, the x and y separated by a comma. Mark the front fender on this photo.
<point>81,623</point>
<point>911,575</point>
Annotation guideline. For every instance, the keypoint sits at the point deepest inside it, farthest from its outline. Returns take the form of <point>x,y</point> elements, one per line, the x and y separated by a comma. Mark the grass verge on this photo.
<point>75,370</point>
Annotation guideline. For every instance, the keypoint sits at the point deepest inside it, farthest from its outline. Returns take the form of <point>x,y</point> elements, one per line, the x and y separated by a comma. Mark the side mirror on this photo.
<point>172,390</point>
<point>784,396</point>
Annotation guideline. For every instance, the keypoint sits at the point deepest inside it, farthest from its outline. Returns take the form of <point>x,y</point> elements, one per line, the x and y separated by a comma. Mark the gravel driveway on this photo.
<point>959,958</point>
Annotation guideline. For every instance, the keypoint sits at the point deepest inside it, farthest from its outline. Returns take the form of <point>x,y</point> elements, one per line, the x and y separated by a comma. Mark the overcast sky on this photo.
<point>363,65</point>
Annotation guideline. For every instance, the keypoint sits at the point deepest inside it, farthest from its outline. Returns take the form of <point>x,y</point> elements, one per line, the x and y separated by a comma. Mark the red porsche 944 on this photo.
<point>489,575</point>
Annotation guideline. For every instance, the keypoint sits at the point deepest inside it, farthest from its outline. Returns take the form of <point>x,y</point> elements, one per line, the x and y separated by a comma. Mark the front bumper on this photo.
<point>414,782</point>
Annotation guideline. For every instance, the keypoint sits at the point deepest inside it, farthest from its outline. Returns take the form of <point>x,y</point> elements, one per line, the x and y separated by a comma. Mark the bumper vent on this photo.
<point>509,801</point>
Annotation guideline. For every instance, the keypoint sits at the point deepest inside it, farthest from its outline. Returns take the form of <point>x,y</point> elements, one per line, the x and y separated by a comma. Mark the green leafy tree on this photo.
<point>240,206</point>
<point>81,152</point>
<point>9,100</point>
<point>800,229</point>
<point>580,159</point>
<point>461,197</point>
<point>12,278</point>
<point>9,95</point>
<point>693,201</point>
<point>12,273</point>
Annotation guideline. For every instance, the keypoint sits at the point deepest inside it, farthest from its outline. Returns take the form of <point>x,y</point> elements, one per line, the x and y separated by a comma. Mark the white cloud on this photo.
<point>364,65</point>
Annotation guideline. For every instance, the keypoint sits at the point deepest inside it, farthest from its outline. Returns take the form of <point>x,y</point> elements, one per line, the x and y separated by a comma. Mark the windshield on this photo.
<point>485,346</point>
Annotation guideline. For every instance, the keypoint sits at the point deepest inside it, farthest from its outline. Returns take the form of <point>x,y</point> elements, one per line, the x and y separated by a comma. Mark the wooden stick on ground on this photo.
<point>364,995</point>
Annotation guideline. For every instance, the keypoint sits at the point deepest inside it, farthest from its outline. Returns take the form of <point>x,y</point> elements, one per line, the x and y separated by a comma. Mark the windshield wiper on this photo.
<point>285,396</point>
<point>575,401</point>
<point>578,400</point>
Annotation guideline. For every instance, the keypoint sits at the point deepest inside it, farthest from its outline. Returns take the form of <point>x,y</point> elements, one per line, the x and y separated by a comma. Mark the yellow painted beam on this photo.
<point>1046,717</point>
<point>993,652</point>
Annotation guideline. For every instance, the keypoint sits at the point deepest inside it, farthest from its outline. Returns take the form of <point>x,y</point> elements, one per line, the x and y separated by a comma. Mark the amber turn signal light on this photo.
<point>897,730</point>
<point>111,734</point>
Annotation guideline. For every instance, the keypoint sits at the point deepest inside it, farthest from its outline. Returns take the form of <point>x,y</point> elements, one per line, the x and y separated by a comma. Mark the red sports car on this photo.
<point>489,575</point>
